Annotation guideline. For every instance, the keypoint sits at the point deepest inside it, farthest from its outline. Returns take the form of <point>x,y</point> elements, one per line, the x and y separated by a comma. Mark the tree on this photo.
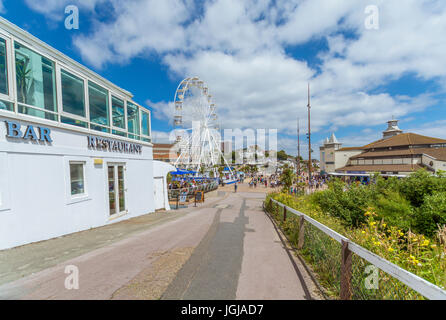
<point>287,178</point>
<point>282,156</point>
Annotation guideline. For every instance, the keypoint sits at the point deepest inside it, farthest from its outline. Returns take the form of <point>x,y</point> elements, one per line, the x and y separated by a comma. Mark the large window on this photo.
<point>145,123</point>
<point>98,100</point>
<point>118,113</point>
<point>133,120</point>
<point>3,68</point>
<point>36,84</point>
<point>73,95</point>
<point>77,178</point>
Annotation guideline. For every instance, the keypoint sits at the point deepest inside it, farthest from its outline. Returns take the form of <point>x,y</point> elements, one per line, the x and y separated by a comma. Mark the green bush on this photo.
<point>431,214</point>
<point>394,209</point>
<point>420,185</point>
<point>348,204</point>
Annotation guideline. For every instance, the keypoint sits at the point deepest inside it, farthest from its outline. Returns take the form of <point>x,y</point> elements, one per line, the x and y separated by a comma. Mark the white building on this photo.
<point>75,150</point>
<point>333,156</point>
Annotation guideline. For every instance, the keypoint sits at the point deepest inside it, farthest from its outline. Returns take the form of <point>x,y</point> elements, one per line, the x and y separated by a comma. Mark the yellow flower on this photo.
<point>363,232</point>
<point>384,225</point>
<point>390,250</point>
<point>425,243</point>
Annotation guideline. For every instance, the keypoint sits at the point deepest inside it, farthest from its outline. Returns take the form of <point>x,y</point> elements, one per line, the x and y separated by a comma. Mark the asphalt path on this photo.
<point>226,249</point>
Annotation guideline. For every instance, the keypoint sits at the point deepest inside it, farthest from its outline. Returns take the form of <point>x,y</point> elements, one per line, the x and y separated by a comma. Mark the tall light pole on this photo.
<point>309,136</point>
<point>298,147</point>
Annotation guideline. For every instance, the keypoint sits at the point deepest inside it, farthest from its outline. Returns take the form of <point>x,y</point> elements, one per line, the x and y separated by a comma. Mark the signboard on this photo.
<point>183,197</point>
<point>199,196</point>
<point>113,145</point>
<point>13,131</point>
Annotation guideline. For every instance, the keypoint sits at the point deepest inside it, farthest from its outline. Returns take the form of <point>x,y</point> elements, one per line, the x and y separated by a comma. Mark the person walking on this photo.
<point>235,187</point>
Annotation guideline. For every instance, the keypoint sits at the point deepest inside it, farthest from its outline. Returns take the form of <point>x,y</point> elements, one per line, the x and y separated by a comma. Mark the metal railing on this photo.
<point>349,270</point>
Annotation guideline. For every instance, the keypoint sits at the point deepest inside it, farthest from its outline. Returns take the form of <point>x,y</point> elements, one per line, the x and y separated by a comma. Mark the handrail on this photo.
<point>420,285</point>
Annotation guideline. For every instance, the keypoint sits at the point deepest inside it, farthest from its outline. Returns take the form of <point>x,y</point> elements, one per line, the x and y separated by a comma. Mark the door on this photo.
<point>116,188</point>
<point>158,190</point>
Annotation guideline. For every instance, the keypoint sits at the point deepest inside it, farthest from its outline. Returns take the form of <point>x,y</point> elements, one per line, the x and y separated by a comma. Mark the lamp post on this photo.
<point>309,136</point>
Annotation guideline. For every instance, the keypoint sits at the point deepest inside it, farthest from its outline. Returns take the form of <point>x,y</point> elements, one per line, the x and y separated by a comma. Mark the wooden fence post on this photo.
<point>300,243</point>
<point>346,272</point>
<point>284,213</point>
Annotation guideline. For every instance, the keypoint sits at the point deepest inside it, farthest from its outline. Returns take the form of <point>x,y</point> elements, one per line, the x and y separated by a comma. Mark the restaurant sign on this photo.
<point>105,144</point>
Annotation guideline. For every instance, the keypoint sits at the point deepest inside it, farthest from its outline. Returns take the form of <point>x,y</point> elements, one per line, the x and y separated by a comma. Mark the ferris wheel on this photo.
<point>196,126</point>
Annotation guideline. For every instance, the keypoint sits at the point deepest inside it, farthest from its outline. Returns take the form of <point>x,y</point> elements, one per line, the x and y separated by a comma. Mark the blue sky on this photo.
<point>257,57</point>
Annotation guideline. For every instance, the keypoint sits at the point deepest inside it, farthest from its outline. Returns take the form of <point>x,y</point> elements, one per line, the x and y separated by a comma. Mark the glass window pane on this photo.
<point>98,99</point>
<point>121,188</point>
<point>145,123</point>
<point>99,128</point>
<point>118,113</point>
<point>37,113</point>
<point>72,94</point>
<point>5,105</point>
<point>36,81</point>
<point>119,133</point>
<point>111,189</point>
<point>3,68</point>
<point>77,178</point>
<point>74,122</point>
<point>132,118</point>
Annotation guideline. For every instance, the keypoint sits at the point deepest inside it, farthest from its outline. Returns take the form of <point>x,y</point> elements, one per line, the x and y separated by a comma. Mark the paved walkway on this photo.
<point>226,249</point>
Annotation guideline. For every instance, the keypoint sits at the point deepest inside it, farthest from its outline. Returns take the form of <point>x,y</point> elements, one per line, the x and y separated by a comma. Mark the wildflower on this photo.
<point>363,232</point>
<point>384,225</point>
<point>425,243</point>
<point>390,250</point>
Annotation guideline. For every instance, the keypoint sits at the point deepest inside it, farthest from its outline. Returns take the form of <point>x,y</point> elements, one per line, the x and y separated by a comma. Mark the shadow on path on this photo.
<point>213,270</point>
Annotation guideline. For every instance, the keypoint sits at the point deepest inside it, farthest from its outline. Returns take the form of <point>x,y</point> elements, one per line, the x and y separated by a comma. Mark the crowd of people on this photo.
<point>271,181</point>
<point>186,183</point>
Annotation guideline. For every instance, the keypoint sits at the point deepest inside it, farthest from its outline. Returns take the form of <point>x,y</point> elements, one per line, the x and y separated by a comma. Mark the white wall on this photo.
<point>160,170</point>
<point>36,202</point>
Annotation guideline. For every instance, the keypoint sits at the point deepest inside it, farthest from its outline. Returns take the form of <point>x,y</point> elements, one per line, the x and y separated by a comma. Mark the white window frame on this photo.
<point>109,127</point>
<point>10,71</point>
<point>111,95</point>
<point>141,110</point>
<point>30,47</point>
<point>59,68</point>
<point>59,64</point>
<point>139,114</point>
<point>70,199</point>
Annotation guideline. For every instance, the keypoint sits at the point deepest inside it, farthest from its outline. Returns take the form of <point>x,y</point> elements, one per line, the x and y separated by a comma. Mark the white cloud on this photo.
<point>239,49</point>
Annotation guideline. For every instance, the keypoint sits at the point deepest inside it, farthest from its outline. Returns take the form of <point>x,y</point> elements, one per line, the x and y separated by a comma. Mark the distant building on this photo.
<point>333,156</point>
<point>397,153</point>
<point>165,152</point>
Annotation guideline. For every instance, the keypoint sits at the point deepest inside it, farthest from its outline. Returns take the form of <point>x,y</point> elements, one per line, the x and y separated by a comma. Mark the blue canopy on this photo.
<point>180,172</point>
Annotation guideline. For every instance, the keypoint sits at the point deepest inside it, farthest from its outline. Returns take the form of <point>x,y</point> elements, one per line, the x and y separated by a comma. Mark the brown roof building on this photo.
<point>398,153</point>
<point>165,152</point>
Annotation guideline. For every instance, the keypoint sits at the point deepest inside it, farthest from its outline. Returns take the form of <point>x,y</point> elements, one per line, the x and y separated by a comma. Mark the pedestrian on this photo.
<point>235,187</point>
